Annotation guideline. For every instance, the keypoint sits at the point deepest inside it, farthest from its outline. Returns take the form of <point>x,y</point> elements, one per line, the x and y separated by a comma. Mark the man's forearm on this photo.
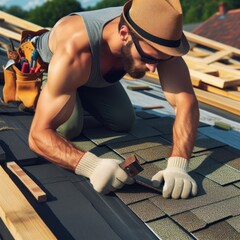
<point>184,131</point>
<point>56,149</point>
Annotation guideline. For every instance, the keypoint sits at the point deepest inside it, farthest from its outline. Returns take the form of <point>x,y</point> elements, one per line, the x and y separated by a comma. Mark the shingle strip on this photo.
<point>134,145</point>
<point>135,193</point>
<point>146,210</point>
<point>220,231</point>
<point>154,153</point>
<point>235,222</point>
<point>189,221</point>
<point>208,192</point>
<point>218,211</point>
<point>166,229</point>
<point>103,136</point>
<point>214,170</point>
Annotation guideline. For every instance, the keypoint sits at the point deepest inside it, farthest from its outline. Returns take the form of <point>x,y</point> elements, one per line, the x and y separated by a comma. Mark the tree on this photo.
<point>51,11</point>
<point>107,3</point>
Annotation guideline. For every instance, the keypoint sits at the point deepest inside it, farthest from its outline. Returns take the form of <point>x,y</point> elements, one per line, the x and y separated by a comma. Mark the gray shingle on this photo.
<point>134,145</point>
<point>141,130</point>
<point>189,221</point>
<point>135,193</point>
<point>218,231</point>
<point>146,210</point>
<point>102,136</point>
<point>217,211</point>
<point>208,192</point>
<point>154,153</point>
<point>214,170</point>
<point>235,222</point>
<point>146,115</point>
<point>166,229</point>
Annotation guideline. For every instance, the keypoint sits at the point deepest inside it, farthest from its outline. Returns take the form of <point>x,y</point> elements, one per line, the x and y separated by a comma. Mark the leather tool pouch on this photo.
<point>19,85</point>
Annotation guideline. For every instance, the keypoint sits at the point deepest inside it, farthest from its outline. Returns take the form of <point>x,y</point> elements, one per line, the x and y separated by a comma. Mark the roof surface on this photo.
<point>75,211</point>
<point>223,28</point>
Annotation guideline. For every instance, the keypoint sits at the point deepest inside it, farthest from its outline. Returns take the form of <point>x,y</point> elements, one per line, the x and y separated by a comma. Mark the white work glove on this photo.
<point>178,184</point>
<point>105,174</point>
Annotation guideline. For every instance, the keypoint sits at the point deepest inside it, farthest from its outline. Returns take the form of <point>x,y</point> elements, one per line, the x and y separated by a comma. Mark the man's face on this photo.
<point>129,64</point>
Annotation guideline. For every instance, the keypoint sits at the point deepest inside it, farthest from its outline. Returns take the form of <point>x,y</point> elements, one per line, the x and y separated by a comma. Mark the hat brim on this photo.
<point>180,50</point>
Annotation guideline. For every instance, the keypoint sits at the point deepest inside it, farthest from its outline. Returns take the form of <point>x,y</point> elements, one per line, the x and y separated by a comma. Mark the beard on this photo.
<point>128,62</point>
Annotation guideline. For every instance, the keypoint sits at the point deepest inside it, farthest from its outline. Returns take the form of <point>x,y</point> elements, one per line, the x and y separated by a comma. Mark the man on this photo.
<point>88,53</point>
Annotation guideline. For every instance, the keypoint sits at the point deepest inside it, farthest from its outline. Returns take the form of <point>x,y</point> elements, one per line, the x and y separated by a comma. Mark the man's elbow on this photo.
<point>32,141</point>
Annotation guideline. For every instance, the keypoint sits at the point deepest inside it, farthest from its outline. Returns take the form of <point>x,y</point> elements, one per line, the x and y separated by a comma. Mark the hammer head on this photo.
<point>131,166</point>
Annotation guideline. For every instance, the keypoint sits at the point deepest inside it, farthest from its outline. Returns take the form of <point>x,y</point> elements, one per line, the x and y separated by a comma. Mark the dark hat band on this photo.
<point>152,38</point>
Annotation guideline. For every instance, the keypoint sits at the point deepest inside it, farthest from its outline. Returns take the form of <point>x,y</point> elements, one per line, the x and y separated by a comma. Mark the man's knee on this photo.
<point>71,131</point>
<point>122,122</point>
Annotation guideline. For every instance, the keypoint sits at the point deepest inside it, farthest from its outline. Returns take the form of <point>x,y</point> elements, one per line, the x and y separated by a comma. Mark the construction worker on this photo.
<point>88,53</point>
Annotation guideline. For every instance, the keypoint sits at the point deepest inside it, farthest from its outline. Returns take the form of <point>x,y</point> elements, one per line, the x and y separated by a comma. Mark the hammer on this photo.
<point>132,167</point>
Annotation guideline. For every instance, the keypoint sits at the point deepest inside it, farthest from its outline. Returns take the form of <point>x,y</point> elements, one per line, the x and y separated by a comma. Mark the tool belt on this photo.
<point>23,72</point>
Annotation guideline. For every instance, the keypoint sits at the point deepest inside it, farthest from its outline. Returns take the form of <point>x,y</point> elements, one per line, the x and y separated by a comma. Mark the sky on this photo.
<point>28,4</point>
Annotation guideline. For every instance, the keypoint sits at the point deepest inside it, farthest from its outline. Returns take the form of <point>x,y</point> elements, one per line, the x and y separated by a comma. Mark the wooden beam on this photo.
<point>226,93</point>
<point>10,34</point>
<point>36,191</point>
<point>216,56</point>
<point>18,215</point>
<point>215,81</point>
<point>19,22</point>
<point>210,43</point>
<point>212,99</point>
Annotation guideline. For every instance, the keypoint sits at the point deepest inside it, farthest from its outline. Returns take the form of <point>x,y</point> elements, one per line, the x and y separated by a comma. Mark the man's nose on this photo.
<point>151,67</point>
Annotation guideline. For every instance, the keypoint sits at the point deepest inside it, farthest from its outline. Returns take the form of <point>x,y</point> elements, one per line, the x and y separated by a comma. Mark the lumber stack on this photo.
<point>215,72</point>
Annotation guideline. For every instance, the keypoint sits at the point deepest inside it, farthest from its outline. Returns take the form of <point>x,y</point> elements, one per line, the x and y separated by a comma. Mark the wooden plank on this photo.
<point>226,93</point>
<point>229,66</point>
<point>215,81</point>
<point>216,56</point>
<point>18,215</point>
<point>224,103</point>
<point>19,22</point>
<point>210,43</point>
<point>198,66</point>
<point>36,191</point>
<point>11,27</point>
<point>10,34</point>
<point>224,68</point>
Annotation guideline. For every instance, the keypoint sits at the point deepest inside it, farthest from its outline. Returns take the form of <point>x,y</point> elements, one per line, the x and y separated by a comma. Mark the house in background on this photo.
<point>223,26</point>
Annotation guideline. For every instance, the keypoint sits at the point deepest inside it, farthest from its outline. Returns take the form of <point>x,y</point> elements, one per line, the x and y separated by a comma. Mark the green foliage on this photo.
<point>108,3</point>
<point>15,10</point>
<point>51,11</point>
<point>200,10</point>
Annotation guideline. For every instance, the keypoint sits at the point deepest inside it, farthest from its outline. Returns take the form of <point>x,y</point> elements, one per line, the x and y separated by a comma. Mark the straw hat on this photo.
<point>159,23</point>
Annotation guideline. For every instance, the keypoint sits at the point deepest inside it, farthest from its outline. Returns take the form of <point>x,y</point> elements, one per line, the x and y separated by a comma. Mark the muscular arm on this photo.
<point>68,69</point>
<point>176,83</point>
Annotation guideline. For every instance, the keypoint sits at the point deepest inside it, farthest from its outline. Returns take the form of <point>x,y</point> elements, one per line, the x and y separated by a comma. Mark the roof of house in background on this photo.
<point>73,210</point>
<point>223,27</point>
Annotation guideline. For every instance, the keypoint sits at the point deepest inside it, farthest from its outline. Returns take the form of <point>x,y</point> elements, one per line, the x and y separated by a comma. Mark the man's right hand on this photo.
<point>105,174</point>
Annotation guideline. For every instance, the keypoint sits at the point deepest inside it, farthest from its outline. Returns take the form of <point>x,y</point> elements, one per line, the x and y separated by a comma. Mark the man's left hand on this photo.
<point>178,183</point>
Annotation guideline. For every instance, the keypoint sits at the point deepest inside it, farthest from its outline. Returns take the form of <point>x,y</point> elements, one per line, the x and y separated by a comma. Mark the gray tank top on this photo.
<point>94,22</point>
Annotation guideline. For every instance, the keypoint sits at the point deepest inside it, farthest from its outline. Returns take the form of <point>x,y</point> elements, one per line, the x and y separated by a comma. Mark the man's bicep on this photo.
<point>175,79</point>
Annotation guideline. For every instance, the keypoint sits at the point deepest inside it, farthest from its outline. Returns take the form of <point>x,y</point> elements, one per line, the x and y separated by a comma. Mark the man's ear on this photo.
<point>124,32</point>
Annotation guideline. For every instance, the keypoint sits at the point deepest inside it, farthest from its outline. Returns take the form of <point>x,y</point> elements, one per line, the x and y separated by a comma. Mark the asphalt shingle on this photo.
<point>220,231</point>
<point>208,192</point>
<point>166,229</point>
<point>152,212</point>
<point>220,210</point>
<point>189,221</point>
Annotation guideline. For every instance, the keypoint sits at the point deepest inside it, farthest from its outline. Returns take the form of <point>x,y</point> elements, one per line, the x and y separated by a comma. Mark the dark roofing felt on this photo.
<point>222,28</point>
<point>75,211</point>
